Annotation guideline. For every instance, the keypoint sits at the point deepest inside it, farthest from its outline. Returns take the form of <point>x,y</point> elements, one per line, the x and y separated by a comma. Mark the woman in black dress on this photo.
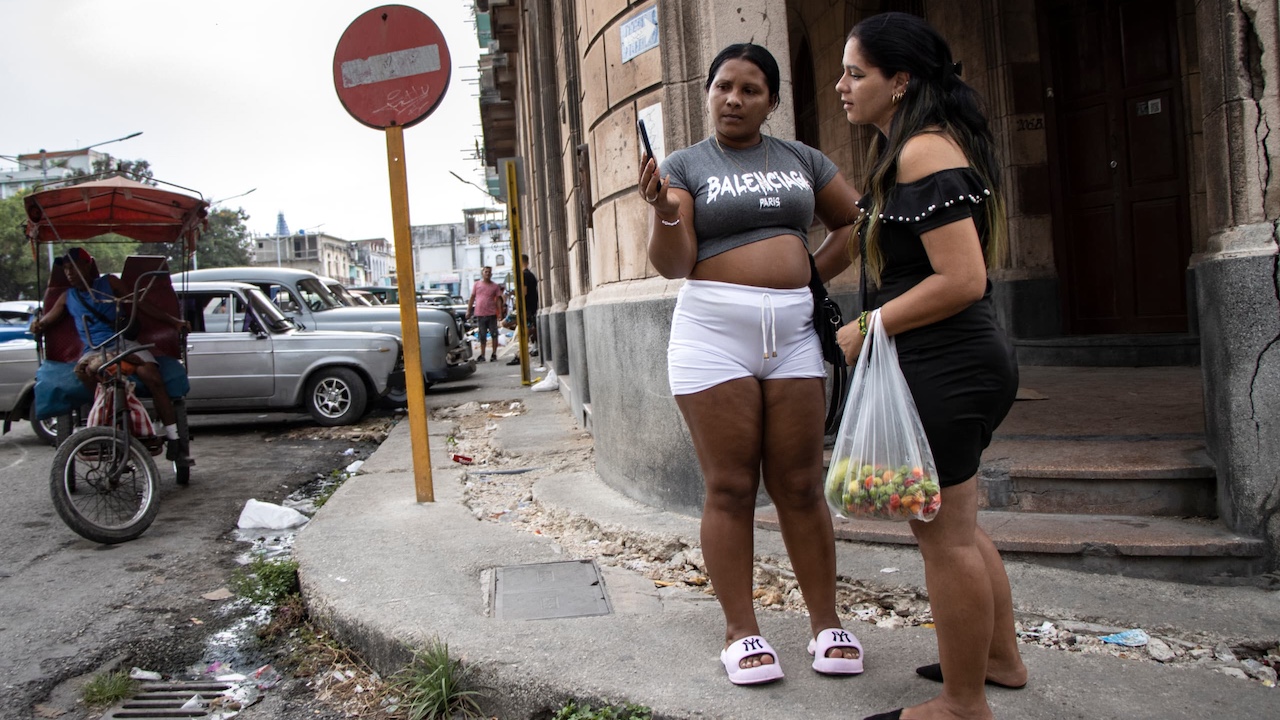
<point>932,222</point>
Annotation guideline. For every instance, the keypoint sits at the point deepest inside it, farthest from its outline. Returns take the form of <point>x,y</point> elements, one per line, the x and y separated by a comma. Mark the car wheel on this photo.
<point>46,430</point>
<point>336,396</point>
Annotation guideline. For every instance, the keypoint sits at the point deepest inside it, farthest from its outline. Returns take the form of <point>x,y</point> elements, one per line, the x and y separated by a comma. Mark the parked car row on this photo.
<point>309,300</point>
<point>265,338</point>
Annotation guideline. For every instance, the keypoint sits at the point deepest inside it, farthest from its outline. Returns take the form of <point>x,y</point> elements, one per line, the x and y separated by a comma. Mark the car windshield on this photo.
<point>268,312</point>
<point>344,296</point>
<point>316,295</point>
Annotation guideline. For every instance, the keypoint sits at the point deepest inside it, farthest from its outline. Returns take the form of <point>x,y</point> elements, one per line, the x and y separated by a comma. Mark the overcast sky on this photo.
<point>232,95</point>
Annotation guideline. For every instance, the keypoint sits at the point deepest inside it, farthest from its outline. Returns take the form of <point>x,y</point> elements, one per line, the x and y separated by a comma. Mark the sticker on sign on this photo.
<point>390,66</point>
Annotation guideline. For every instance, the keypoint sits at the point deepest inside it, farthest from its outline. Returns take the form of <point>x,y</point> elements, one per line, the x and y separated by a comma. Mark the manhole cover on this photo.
<point>549,590</point>
<point>164,701</point>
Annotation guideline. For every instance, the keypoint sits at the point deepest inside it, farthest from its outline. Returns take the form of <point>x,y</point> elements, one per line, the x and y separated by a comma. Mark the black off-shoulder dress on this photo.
<point>962,370</point>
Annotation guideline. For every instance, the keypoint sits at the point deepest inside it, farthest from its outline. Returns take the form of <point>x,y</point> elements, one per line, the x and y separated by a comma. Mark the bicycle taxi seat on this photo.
<point>59,391</point>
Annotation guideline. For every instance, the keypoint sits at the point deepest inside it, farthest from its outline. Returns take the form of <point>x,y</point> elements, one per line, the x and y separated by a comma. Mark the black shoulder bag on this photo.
<point>827,320</point>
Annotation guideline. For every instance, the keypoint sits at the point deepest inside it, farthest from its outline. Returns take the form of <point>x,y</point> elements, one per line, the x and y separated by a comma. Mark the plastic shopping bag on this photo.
<point>881,465</point>
<point>100,414</point>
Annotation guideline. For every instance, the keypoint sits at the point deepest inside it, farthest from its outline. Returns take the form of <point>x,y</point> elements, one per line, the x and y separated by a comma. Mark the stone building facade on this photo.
<point>1137,143</point>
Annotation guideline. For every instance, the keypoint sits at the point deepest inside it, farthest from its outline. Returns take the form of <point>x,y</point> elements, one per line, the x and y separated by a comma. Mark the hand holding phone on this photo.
<point>644,138</point>
<point>648,153</point>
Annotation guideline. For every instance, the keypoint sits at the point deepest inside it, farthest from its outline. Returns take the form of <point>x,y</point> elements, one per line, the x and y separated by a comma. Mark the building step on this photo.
<point>1163,476</point>
<point>1125,351</point>
<point>1138,476</point>
<point>1178,549</point>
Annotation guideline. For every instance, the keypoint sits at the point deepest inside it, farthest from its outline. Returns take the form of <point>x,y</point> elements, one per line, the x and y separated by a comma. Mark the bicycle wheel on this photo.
<point>102,489</point>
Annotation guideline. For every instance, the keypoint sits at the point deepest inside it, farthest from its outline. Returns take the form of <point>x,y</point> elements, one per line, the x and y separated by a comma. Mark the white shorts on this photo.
<point>722,332</point>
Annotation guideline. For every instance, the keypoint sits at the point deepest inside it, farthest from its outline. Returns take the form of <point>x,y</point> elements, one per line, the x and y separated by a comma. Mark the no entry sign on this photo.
<point>391,67</point>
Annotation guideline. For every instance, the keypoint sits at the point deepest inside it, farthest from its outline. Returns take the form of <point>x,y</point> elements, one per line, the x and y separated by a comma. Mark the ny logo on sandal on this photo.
<point>840,636</point>
<point>752,644</point>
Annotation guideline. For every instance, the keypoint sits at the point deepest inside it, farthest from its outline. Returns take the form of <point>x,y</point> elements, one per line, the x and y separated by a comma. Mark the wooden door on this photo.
<point>1117,155</point>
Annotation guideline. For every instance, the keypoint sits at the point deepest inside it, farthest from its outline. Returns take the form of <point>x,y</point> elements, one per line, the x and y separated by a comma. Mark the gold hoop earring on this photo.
<point>897,97</point>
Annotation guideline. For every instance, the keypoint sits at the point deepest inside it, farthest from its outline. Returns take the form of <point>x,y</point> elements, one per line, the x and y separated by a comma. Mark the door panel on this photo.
<point>227,365</point>
<point>1161,282</point>
<point>1153,152</point>
<point>1095,282</point>
<point>1118,153</point>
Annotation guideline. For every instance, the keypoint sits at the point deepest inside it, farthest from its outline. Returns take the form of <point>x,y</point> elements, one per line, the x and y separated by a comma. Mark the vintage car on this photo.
<point>365,297</point>
<point>244,355</point>
<point>303,297</point>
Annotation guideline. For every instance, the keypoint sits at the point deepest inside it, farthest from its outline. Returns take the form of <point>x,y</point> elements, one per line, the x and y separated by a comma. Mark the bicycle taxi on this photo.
<point>104,482</point>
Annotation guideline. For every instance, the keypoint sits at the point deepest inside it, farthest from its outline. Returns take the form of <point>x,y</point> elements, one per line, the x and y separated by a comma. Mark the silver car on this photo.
<point>244,355</point>
<point>303,297</point>
<point>18,363</point>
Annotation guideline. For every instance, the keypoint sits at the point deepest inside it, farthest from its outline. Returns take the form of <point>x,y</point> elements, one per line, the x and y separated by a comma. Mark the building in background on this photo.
<point>319,253</point>
<point>36,168</point>
<point>439,253</point>
<point>1135,137</point>
<point>378,260</point>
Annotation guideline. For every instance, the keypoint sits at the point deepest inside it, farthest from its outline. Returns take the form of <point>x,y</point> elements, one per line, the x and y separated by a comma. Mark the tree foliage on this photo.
<point>19,279</point>
<point>17,269</point>
<point>139,170</point>
<point>224,243</point>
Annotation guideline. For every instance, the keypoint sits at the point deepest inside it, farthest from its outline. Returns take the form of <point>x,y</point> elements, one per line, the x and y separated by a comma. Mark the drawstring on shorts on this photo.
<point>770,331</point>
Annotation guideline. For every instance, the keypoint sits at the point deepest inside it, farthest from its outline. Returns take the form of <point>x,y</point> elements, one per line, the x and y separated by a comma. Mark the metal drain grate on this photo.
<point>164,701</point>
<point>549,590</point>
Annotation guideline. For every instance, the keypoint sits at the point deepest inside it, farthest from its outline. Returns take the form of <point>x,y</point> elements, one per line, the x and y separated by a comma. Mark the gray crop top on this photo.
<point>738,199</point>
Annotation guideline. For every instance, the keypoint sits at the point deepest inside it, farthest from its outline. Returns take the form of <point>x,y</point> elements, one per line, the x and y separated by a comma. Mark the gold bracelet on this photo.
<point>862,323</point>
<point>670,224</point>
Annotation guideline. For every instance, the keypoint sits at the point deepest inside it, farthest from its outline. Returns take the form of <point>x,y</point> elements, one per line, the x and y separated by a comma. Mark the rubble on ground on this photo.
<point>495,493</point>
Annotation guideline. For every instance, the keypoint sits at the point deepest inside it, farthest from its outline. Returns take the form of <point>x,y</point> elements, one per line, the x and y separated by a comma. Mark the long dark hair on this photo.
<point>755,55</point>
<point>935,97</point>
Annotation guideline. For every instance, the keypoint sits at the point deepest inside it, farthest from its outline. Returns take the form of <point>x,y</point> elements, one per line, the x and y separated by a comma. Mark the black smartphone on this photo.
<point>644,138</point>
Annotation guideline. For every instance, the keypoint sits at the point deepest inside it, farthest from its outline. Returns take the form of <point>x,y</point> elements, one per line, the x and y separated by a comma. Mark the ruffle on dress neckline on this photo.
<point>918,199</point>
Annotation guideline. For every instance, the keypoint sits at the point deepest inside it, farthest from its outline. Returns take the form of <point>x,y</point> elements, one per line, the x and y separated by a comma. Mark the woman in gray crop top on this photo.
<point>933,223</point>
<point>731,214</point>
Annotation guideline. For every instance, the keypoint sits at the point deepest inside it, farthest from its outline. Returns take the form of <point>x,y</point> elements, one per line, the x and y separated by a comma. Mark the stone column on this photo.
<point>1238,278</point>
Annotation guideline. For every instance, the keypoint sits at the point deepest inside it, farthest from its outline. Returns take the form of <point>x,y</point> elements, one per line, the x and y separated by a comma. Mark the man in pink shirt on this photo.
<point>486,306</point>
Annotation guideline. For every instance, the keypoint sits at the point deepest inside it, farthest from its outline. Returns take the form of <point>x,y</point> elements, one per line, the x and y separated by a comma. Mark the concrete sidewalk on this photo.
<point>430,575</point>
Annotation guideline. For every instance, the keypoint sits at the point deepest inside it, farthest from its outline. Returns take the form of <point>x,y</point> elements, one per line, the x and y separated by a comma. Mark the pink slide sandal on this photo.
<point>731,656</point>
<point>831,638</point>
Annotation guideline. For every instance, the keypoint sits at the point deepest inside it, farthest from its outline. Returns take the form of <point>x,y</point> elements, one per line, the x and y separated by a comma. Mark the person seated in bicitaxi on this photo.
<point>92,301</point>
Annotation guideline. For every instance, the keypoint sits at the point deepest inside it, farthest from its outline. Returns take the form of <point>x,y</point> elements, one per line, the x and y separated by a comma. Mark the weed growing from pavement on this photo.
<point>331,485</point>
<point>108,688</point>
<point>435,686</point>
<point>267,582</point>
<point>572,711</point>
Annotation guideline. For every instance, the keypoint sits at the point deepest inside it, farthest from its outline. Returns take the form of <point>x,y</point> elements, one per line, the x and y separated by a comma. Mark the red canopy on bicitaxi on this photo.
<point>141,212</point>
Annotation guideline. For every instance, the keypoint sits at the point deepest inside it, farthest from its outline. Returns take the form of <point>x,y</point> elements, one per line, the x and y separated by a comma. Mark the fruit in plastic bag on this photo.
<point>881,465</point>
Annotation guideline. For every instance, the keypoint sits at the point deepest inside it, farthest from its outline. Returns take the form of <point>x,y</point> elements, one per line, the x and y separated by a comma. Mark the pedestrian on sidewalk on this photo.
<point>530,308</point>
<point>933,221</point>
<point>486,305</point>
<point>731,215</point>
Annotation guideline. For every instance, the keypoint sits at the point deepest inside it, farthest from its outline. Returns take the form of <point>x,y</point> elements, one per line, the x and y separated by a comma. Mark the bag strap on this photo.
<point>839,393</point>
<point>89,305</point>
<point>839,371</point>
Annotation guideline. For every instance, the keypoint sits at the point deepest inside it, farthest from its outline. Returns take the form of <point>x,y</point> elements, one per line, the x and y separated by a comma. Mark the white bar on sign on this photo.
<point>390,66</point>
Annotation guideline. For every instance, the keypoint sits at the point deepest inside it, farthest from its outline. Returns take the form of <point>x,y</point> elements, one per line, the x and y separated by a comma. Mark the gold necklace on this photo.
<point>735,162</point>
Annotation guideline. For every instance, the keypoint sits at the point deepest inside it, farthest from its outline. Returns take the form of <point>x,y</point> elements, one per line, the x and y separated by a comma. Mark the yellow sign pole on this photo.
<point>513,224</point>
<point>413,381</point>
